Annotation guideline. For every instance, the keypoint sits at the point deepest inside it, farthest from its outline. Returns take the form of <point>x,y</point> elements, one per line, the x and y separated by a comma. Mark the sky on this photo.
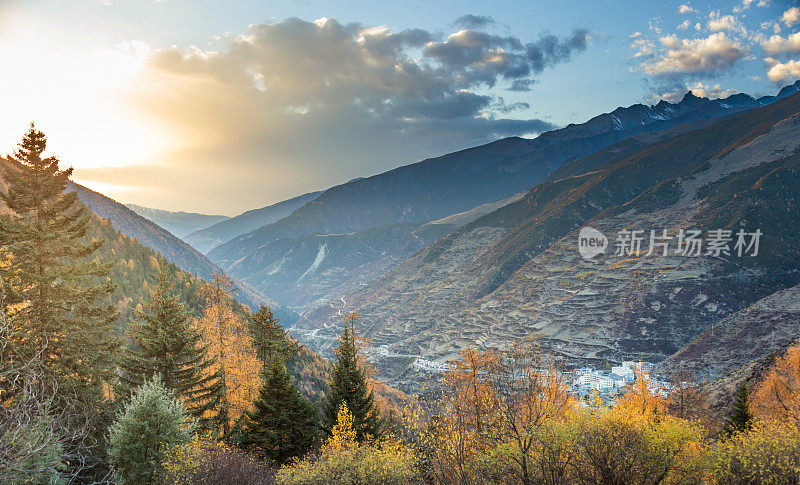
<point>225,106</point>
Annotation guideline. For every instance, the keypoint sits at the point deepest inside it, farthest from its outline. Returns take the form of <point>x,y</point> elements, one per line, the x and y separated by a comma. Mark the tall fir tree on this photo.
<point>282,424</point>
<point>740,418</point>
<point>165,344</point>
<point>349,385</point>
<point>67,319</point>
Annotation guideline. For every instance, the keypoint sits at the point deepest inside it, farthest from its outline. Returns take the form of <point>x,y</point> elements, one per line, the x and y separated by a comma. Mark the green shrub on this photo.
<point>152,422</point>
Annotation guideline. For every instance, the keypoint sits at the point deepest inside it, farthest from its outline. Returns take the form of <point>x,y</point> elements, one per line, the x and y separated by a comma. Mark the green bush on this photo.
<point>152,422</point>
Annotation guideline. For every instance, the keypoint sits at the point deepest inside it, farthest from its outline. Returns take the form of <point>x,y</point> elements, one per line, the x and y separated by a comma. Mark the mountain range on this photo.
<point>178,223</point>
<point>296,261</point>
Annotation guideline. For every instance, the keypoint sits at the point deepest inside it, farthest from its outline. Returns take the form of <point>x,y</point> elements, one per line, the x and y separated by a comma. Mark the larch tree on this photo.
<point>63,313</point>
<point>349,385</point>
<point>227,337</point>
<point>164,343</point>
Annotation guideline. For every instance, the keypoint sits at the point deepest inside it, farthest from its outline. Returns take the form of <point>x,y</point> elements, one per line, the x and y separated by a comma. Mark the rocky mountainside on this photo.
<point>516,272</point>
<point>739,346</point>
<point>457,182</point>
<point>204,240</point>
<point>178,223</point>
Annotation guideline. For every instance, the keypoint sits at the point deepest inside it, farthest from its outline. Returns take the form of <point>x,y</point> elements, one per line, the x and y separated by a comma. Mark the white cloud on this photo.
<point>777,45</point>
<point>791,16</point>
<point>684,25</point>
<point>685,9</point>
<point>698,89</point>
<point>692,56</point>
<point>782,71</point>
<point>717,23</point>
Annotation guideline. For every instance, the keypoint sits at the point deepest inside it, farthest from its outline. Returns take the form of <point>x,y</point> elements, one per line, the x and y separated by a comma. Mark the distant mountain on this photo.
<point>207,239</point>
<point>516,272</point>
<point>455,183</point>
<point>178,223</point>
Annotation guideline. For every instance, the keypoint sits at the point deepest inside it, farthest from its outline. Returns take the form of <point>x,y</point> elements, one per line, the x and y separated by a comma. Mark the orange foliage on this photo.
<point>229,343</point>
<point>777,397</point>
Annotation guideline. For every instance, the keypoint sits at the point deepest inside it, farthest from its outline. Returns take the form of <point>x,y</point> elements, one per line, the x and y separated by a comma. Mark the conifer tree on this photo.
<point>282,424</point>
<point>269,336</point>
<point>349,385</point>
<point>67,321</point>
<point>165,344</point>
<point>740,418</point>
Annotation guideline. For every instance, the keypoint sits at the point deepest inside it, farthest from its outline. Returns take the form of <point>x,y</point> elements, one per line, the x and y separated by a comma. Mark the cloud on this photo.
<point>685,9</point>
<point>698,89</point>
<point>780,72</point>
<point>299,105</point>
<point>684,25</point>
<point>694,56</point>
<point>791,16</point>
<point>470,21</point>
<point>777,45</point>
<point>718,22</point>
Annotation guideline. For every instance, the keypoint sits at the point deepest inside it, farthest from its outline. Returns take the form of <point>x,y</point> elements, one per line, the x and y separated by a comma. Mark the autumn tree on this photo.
<point>777,396</point>
<point>349,385</point>
<point>66,317</point>
<point>164,343</point>
<point>229,344</point>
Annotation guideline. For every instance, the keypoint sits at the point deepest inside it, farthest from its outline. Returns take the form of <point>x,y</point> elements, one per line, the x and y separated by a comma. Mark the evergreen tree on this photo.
<point>349,385</point>
<point>269,336</point>
<point>282,424</point>
<point>740,418</point>
<point>67,321</point>
<point>165,344</point>
<point>151,423</point>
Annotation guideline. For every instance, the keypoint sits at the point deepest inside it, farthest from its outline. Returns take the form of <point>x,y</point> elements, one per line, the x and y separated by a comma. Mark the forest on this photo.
<point>191,387</point>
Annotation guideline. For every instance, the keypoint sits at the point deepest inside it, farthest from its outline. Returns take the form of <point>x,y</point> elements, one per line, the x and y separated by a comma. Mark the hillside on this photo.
<point>204,240</point>
<point>516,272</point>
<point>179,223</point>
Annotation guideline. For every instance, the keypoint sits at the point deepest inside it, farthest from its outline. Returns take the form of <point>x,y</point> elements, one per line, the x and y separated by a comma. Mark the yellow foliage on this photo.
<point>777,397</point>
<point>343,435</point>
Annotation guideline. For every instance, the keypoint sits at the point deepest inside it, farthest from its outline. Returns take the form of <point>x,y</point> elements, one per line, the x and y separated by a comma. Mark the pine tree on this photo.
<point>269,336</point>
<point>165,344</point>
<point>740,418</point>
<point>67,321</point>
<point>349,385</point>
<point>283,424</point>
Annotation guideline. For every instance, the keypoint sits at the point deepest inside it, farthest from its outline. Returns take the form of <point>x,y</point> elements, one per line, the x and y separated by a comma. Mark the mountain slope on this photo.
<point>516,271</point>
<point>210,237</point>
<point>460,181</point>
<point>178,223</point>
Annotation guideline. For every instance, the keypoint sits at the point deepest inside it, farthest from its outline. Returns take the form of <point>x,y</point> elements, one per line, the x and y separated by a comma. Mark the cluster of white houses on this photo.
<point>588,380</point>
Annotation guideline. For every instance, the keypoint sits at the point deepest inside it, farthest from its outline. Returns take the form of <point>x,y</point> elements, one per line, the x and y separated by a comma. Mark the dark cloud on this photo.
<point>470,21</point>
